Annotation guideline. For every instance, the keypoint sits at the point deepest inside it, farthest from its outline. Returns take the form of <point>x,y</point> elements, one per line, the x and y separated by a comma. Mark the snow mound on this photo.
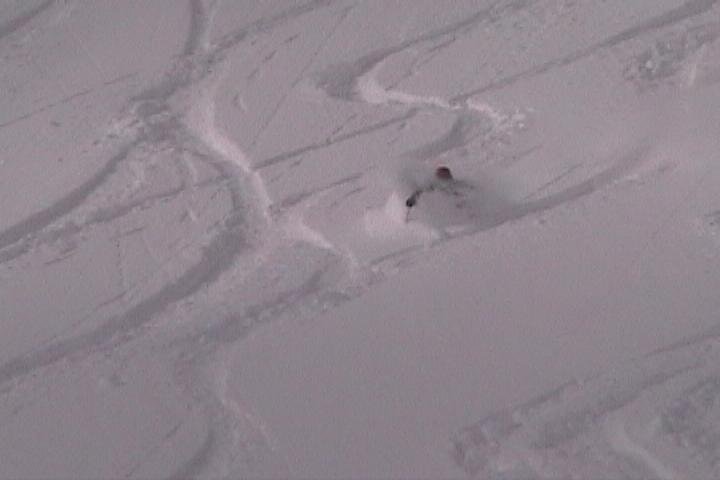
<point>391,221</point>
<point>471,207</point>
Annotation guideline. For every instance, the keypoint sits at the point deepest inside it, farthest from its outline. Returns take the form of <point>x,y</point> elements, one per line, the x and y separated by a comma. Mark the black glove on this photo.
<point>412,199</point>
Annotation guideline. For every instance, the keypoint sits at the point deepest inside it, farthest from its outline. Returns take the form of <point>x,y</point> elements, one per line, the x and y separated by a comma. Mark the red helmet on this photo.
<point>443,173</point>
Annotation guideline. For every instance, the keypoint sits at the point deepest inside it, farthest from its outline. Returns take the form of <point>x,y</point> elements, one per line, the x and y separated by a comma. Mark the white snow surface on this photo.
<point>208,270</point>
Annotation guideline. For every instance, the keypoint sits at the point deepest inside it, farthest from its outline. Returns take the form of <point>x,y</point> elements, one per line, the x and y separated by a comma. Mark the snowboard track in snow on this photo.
<point>527,439</point>
<point>688,10</point>
<point>624,419</point>
<point>15,24</point>
<point>194,67</point>
<point>158,119</point>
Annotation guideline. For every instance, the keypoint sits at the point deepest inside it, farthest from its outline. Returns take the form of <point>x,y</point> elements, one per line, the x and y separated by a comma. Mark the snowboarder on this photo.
<point>443,177</point>
<point>443,181</point>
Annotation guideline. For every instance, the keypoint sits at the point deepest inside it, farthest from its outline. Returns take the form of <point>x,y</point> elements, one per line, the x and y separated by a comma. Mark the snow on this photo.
<point>208,268</point>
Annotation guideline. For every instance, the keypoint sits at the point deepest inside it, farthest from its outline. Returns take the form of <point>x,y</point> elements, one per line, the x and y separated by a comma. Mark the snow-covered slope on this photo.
<point>207,267</point>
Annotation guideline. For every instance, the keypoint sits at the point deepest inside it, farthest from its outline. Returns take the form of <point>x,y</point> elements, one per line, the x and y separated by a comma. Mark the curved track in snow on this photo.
<point>208,221</point>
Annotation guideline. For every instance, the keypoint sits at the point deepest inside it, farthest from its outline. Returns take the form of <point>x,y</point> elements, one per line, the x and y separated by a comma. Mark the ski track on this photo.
<point>356,81</point>
<point>152,117</point>
<point>197,136</point>
<point>621,442</point>
<point>688,10</point>
<point>659,395</point>
<point>333,140</point>
<point>66,204</point>
<point>340,81</point>
<point>17,23</point>
<point>179,112</point>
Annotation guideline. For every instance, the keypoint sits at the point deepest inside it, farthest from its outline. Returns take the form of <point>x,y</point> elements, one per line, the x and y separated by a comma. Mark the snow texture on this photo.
<point>208,268</point>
